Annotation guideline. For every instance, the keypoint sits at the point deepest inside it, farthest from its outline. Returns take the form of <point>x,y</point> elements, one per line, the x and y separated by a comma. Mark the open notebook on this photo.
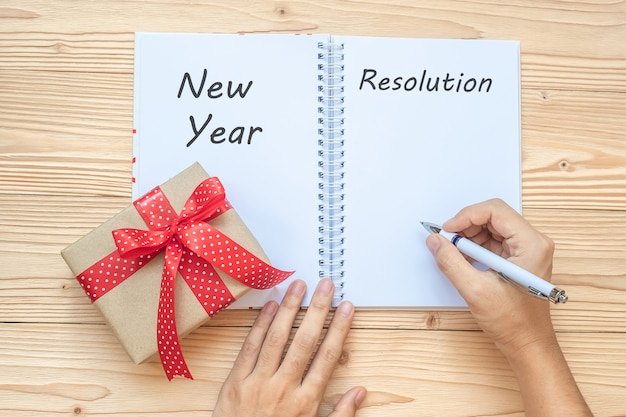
<point>333,148</point>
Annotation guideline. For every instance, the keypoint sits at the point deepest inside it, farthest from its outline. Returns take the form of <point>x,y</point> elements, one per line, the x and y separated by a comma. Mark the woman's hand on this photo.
<point>519,324</point>
<point>511,318</point>
<point>264,384</point>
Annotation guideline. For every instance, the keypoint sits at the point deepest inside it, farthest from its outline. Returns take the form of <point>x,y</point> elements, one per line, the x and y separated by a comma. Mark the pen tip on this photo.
<point>431,228</point>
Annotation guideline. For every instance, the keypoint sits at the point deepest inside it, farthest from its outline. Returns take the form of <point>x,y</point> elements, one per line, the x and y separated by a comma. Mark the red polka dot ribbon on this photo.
<point>192,248</point>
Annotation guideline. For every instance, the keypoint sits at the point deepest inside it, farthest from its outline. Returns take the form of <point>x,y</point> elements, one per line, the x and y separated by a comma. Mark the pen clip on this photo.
<point>556,296</point>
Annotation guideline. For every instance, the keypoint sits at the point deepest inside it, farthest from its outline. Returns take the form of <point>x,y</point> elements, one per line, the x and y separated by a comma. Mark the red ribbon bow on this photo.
<point>192,248</point>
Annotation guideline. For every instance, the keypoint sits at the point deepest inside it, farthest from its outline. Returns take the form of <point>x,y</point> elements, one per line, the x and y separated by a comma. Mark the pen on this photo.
<point>514,274</point>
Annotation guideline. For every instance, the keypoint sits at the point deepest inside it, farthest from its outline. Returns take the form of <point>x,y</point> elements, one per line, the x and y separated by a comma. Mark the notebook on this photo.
<point>333,148</point>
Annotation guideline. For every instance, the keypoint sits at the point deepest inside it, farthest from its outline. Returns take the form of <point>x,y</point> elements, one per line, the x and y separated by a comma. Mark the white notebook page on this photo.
<point>272,182</point>
<point>415,155</point>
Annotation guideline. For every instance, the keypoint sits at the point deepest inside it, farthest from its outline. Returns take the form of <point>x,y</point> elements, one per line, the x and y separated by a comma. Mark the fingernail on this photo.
<point>325,287</point>
<point>345,309</point>
<point>270,308</point>
<point>433,244</point>
<point>360,396</point>
<point>298,287</point>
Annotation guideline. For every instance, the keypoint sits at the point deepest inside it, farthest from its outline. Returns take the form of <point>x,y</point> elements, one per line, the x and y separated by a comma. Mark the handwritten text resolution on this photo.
<point>370,80</point>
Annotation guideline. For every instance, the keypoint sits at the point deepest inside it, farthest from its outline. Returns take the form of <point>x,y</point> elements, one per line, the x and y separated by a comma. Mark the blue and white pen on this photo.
<point>521,278</point>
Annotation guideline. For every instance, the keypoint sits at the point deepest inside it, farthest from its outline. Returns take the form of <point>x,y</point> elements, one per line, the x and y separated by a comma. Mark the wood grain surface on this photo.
<point>66,106</point>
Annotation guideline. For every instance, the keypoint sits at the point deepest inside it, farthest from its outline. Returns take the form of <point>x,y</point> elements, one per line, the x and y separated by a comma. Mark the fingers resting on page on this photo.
<point>267,381</point>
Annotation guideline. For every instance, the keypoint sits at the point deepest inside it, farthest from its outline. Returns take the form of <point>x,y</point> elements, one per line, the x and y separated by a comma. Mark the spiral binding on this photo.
<point>330,164</point>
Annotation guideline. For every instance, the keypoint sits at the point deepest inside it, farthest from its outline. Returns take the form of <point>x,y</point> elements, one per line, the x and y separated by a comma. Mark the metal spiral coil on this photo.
<point>331,164</point>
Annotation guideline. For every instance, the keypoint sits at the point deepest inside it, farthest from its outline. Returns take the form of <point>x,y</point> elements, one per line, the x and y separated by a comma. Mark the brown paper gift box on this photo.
<point>130,309</point>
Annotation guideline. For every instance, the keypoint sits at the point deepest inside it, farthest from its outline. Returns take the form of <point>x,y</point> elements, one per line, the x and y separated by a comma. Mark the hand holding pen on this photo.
<point>519,325</point>
<point>517,276</point>
<point>501,230</point>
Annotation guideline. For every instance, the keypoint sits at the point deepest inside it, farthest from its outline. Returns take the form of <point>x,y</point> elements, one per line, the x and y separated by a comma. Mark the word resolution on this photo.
<point>424,82</point>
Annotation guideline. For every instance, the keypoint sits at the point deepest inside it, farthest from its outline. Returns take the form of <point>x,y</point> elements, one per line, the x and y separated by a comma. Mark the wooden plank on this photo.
<point>550,58</point>
<point>574,149</point>
<point>81,370</point>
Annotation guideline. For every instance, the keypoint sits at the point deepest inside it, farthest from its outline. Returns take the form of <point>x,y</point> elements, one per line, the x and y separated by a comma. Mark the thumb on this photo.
<point>451,262</point>
<point>349,403</point>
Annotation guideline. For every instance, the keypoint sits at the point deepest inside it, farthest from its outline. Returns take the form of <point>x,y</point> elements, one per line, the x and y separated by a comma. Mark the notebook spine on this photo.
<point>330,163</point>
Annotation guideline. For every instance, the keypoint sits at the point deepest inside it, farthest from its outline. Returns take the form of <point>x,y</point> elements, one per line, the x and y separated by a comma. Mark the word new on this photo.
<point>216,90</point>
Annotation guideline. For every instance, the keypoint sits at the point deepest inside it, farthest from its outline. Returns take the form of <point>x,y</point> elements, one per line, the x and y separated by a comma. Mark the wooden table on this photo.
<point>66,91</point>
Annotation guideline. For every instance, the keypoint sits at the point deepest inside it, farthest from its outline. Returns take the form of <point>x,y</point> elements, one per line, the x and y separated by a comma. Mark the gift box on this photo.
<point>164,265</point>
